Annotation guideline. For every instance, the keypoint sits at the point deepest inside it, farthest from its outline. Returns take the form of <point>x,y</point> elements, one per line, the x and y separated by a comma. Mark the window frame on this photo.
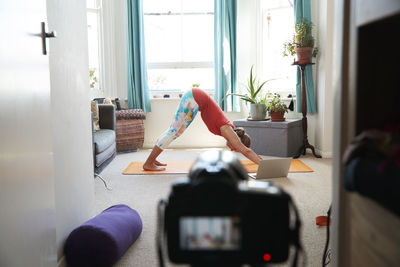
<point>99,14</point>
<point>178,64</point>
<point>261,43</point>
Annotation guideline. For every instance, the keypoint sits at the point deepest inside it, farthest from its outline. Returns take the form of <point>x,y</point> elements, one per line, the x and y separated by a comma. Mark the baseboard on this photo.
<point>324,154</point>
<point>185,146</point>
<point>62,262</point>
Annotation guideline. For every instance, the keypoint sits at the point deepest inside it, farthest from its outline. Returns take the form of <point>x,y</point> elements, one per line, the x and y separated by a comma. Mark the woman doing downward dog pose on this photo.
<point>193,101</point>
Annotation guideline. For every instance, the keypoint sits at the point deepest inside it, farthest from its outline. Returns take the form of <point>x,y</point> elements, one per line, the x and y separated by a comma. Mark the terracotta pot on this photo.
<point>277,116</point>
<point>303,54</point>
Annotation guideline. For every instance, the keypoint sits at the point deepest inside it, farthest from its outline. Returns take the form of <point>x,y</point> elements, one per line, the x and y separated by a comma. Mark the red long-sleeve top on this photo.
<point>211,113</point>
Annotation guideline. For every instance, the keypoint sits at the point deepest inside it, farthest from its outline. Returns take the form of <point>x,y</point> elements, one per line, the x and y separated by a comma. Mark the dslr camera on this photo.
<point>216,217</point>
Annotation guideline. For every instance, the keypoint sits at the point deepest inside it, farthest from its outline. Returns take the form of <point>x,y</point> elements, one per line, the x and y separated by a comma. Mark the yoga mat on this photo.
<point>177,167</point>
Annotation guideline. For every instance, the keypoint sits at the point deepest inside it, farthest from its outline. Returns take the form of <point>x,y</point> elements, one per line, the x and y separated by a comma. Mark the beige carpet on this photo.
<point>182,167</point>
<point>310,191</point>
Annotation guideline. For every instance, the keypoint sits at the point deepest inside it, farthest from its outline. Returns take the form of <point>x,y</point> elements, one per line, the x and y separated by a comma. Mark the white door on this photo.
<point>27,221</point>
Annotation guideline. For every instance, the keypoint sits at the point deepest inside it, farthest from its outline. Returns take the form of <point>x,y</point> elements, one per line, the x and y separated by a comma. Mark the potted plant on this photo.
<point>276,108</point>
<point>302,43</point>
<point>253,96</point>
<point>93,78</point>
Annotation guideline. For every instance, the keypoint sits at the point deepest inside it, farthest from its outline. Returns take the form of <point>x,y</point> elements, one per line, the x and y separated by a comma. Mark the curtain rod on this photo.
<point>180,13</point>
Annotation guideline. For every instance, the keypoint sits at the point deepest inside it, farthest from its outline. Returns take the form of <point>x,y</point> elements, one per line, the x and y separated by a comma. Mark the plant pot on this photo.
<point>303,54</point>
<point>277,116</point>
<point>258,111</point>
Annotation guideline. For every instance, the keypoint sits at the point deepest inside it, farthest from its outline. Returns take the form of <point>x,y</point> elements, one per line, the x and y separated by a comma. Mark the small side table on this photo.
<point>130,129</point>
<point>306,144</point>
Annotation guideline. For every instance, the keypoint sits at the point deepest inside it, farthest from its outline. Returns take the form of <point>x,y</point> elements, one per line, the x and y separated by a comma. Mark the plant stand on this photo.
<point>306,144</point>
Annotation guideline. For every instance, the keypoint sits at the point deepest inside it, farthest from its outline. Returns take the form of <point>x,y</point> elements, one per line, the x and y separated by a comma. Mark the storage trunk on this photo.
<point>282,139</point>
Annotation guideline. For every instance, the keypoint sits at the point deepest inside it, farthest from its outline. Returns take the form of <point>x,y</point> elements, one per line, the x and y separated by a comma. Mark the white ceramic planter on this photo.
<point>258,111</point>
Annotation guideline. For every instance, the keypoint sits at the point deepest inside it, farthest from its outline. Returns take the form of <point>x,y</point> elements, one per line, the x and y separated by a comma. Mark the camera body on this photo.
<point>218,217</point>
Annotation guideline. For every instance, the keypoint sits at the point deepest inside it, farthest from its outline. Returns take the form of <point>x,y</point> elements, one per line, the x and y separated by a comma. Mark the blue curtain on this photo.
<point>225,54</point>
<point>302,9</point>
<point>138,95</point>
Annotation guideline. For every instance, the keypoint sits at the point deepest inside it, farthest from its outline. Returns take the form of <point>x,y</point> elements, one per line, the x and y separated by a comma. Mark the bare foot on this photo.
<point>152,167</point>
<point>159,163</point>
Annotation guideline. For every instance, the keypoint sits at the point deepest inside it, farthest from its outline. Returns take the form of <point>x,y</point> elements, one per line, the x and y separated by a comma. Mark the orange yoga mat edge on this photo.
<point>181,167</point>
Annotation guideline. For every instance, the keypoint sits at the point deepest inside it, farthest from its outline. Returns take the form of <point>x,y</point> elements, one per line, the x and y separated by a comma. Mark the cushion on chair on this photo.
<point>103,139</point>
<point>102,240</point>
<point>95,111</point>
<point>105,155</point>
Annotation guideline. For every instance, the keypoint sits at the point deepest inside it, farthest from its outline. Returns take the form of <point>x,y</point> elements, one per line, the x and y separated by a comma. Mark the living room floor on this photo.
<point>310,191</point>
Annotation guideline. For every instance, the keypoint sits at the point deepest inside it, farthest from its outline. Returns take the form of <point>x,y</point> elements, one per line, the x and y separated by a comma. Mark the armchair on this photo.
<point>104,140</point>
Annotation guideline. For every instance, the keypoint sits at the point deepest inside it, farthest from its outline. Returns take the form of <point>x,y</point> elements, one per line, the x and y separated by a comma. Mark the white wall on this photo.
<point>319,125</point>
<point>27,202</point>
<point>114,49</point>
<point>72,138</point>
<point>324,119</point>
<point>246,39</point>
<point>114,30</point>
<point>197,135</point>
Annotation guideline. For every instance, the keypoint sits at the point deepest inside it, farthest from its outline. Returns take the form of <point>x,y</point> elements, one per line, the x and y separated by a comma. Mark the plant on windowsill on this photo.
<point>275,107</point>
<point>93,78</point>
<point>302,43</point>
<point>253,96</point>
<point>195,85</point>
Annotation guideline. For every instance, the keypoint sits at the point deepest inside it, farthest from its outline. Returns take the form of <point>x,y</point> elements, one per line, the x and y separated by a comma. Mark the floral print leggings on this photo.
<point>185,114</point>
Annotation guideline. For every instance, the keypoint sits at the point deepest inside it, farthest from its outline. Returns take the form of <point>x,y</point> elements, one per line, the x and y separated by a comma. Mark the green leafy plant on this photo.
<point>301,38</point>
<point>93,78</point>
<point>275,103</point>
<point>157,81</point>
<point>195,85</point>
<point>264,99</point>
<point>253,89</point>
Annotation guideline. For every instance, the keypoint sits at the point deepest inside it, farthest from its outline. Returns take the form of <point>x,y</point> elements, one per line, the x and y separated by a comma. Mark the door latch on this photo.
<point>45,35</point>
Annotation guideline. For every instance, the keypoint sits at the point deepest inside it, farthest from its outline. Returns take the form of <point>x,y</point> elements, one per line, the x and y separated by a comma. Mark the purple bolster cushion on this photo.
<point>102,240</point>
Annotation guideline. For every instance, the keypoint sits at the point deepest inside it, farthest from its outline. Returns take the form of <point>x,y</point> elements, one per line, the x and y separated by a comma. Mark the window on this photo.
<point>179,36</point>
<point>277,26</point>
<point>94,37</point>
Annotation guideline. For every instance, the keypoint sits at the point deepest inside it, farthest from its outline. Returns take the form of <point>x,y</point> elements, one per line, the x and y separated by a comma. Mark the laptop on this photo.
<point>272,168</point>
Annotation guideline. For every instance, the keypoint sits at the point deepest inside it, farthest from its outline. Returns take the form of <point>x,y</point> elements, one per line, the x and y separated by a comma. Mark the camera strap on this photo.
<point>160,231</point>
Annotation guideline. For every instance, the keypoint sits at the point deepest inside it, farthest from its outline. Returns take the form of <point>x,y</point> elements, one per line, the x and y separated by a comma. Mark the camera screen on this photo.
<point>210,233</point>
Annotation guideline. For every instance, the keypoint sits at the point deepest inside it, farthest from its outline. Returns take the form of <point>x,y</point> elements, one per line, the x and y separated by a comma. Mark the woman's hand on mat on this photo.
<point>159,163</point>
<point>235,144</point>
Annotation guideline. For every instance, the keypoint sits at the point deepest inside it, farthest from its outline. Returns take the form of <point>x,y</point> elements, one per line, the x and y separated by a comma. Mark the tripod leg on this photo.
<point>313,151</point>
<point>302,150</point>
<point>102,179</point>
<point>298,153</point>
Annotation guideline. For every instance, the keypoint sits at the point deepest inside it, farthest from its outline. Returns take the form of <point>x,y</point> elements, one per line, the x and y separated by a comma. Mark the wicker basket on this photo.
<point>130,129</point>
